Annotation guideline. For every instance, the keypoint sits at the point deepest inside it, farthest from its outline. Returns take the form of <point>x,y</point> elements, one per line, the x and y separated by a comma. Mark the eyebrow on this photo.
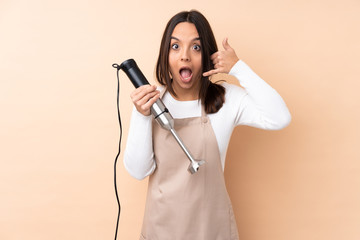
<point>175,38</point>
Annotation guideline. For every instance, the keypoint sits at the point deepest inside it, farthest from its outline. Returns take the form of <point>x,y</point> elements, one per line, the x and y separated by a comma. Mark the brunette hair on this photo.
<point>211,94</point>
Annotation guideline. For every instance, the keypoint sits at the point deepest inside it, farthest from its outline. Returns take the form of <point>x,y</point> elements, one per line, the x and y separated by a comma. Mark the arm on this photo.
<point>139,156</point>
<point>262,106</point>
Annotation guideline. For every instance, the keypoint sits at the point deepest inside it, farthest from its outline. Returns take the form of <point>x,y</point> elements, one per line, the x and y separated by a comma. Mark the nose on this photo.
<point>185,55</point>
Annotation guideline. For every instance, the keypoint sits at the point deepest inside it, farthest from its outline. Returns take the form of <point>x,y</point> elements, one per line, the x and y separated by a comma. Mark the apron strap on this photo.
<point>162,92</point>
<point>203,113</point>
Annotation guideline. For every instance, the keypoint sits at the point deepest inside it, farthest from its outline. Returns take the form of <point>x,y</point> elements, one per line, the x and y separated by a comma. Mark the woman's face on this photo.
<point>185,61</point>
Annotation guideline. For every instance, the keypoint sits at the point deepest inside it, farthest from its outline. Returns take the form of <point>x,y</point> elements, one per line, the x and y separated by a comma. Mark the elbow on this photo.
<point>137,172</point>
<point>283,121</point>
<point>136,175</point>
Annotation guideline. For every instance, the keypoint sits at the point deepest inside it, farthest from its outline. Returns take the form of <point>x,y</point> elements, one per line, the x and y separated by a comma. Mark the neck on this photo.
<point>186,94</point>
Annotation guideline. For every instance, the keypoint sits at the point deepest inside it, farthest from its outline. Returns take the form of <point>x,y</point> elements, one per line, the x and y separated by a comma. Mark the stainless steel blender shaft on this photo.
<point>166,121</point>
<point>194,164</point>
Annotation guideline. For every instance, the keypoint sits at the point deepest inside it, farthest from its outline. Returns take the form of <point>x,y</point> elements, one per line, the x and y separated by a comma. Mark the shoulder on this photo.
<point>233,91</point>
<point>234,96</point>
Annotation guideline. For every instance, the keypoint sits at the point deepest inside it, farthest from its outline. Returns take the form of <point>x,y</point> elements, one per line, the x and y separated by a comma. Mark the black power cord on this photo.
<point>116,158</point>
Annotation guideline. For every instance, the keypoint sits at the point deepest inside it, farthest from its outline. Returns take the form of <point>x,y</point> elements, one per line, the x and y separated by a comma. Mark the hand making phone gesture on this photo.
<point>223,60</point>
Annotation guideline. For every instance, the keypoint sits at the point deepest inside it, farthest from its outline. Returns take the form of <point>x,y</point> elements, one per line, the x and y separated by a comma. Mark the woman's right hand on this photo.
<point>144,97</point>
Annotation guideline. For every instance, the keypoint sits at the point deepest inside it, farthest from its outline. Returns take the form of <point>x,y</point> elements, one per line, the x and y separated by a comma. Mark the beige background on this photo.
<point>59,130</point>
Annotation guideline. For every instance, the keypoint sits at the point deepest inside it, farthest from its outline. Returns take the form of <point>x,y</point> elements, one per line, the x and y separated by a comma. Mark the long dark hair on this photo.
<point>211,94</point>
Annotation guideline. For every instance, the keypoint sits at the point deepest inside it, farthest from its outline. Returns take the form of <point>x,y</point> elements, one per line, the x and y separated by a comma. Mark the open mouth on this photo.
<point>185,74</point>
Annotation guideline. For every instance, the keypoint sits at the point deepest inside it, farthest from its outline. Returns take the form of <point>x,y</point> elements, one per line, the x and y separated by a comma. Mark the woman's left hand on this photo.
<point>223,60</point>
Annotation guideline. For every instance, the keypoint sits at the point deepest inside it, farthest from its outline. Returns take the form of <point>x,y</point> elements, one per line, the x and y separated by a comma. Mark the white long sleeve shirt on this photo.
<point>257,105</point>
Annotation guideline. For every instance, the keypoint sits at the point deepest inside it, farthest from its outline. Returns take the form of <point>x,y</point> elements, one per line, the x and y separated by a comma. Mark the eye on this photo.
<point>197,47</point>
<point>175,46</point>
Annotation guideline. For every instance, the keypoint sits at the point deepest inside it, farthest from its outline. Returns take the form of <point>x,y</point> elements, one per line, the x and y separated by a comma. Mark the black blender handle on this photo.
<point>134,73</point>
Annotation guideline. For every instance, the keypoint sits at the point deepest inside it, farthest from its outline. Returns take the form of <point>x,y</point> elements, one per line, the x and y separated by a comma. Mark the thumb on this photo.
<point>226,44</point>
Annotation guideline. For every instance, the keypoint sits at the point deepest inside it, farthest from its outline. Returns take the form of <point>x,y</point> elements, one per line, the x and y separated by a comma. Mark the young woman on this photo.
<point>196,206</point>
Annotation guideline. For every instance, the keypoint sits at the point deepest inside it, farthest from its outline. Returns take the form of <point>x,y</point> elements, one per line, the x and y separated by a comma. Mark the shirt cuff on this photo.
<point>238,66</point>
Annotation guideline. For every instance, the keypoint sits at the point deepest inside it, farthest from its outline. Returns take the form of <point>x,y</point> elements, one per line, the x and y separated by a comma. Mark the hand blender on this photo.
<point>158,110</point>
